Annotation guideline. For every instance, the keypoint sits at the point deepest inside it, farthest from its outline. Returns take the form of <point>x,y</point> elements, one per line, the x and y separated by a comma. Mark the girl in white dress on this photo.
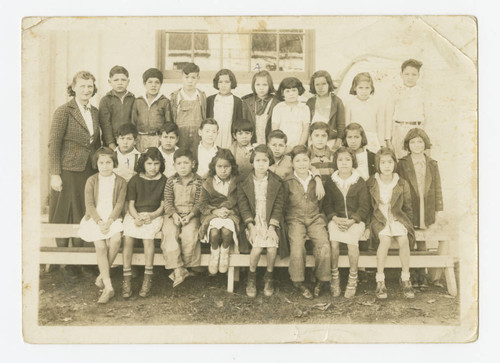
<point>366,110</point>
<point>102,224</point>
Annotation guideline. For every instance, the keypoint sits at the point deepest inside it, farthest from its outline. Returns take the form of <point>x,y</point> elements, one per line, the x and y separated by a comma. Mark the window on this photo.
<point>282,52</point>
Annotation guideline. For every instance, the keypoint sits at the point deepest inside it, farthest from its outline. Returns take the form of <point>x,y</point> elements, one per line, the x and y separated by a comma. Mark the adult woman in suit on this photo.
<point>74,137</point>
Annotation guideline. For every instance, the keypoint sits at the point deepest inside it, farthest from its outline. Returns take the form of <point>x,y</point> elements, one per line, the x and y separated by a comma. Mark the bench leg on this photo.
<point>236,274</point>
<point>230,279</point>
<point>451,283</point>
<point>47,268</point>
<point>443,249</point>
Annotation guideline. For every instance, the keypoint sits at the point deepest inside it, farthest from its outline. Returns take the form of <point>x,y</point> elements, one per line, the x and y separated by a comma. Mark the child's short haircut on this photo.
<point>126,129</point>
<point>81,75</point>
<point>361,77</point>
<point>152,73</point>
<point>183,152</point>
<point>341,150</point>
<point>225,72</point>
<point>209,121</point>
<point>319,74</point>
<point>416,132</point>
<point>104,150</point>
<point>277,134</point>
<point>385,151</point>
<point>320,125</point>
<point>411,63</point>
<point>117,70</point>
<point>190,68</point>
<point>242,125</point>
<point>355,127</point>
<point>170,127</point>
<point>151,153</point>
<point>264,150</point>
<point>300,149</point>
<point>224,154</point>
<point>288,83</point>
<point>263,74</point>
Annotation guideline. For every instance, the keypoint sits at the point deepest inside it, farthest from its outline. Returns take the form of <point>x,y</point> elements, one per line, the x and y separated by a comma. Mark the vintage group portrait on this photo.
<point>250,179</point>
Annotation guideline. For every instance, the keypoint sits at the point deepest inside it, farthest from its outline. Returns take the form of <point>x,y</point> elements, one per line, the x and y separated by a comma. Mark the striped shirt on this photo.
<point>322,160</point>
<point>180,198</point>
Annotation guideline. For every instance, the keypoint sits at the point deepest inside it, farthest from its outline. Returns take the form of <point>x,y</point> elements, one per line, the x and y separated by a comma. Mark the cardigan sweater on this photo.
<point>237,109</point>
<point>92,194</point>
<point>336,121</point>
<point>70,144</point>
<point>250,115</point>
<point>356,203</point>
<point>433,197</point>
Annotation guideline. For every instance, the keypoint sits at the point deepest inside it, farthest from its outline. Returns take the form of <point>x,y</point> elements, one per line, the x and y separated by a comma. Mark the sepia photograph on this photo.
<point>250,179</point>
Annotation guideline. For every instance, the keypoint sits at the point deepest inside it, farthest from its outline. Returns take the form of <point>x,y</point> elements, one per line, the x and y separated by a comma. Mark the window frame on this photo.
<point>206,76</point>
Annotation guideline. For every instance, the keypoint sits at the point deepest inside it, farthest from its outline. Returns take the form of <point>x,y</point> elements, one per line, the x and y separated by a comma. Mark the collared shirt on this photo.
<point>305,183</point>
<point>409,104</point>
<point>122,97</point>
<point>126,163</point>
<point>87,116</point>
<point>221,186</point>
<point>169,162</point>
<point>147,101</point>
<point>205,156</point>
<point>261,104</point>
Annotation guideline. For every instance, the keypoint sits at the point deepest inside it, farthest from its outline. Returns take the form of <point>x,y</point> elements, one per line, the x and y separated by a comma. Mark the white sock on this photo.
<point>380,277</point>
<point>405,276</point>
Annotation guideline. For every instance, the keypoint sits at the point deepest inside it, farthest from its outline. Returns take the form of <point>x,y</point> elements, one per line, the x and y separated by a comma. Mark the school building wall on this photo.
<point>343,46</point>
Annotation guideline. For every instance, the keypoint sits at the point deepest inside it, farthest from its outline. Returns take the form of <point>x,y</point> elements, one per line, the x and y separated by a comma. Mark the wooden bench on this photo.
<point>438,258</point>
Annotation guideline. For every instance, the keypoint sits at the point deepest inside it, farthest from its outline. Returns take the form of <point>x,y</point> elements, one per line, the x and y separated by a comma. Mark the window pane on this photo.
<point>264,52</point>
<point>292,53</point>
<point>178,50</point>
<point>207,51</point>
<point>236,54</point>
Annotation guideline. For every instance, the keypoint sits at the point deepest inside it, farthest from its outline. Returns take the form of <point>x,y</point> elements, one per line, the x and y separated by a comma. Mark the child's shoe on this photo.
<point>252,284</point>
<point>127,287</point>
<point>408,289</point>
<point>99,283</point>
<point>335,287</point>
<point>224,260</point>
<point>381,291</point>
<point>422,279</point>
<point>304,291</point>
<point>146,285</point>
<point>213,264</point>
<point>317,288</point>
<point>180,274</point>
<point>106,296</point>
<point>350,290</point>
<point>268,284</point>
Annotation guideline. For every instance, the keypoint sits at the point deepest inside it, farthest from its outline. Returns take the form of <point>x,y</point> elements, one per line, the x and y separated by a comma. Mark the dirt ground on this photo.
<point>204,300</point>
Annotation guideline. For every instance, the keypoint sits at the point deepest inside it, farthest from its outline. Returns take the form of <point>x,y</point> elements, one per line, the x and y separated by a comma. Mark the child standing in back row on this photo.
<point>224,107</point>
<point>406,109</point>
<point>151,112</point>
<point>258,106</point>
<point>189,106</point>
<point>327,107</point>
<point>292,116</point>
<point>366,110</point>
<point>115,108</point>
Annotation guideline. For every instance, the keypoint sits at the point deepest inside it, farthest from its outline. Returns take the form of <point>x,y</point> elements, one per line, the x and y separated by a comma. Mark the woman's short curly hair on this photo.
<point>81,75</point>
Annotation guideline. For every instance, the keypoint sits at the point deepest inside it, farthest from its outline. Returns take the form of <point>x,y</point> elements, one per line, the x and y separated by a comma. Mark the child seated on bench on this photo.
<point>102,224</point>
<point>392,218</point>
<point>180,244</point>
